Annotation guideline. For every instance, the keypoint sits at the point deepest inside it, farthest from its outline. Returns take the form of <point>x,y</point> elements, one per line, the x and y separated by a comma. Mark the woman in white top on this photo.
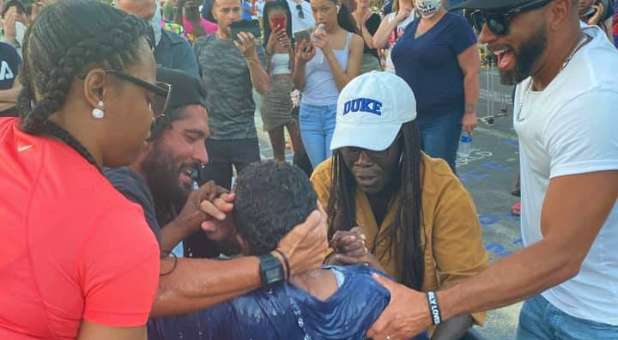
<point>277,105</point>
<point>323,66</point>
<point>392,27</point>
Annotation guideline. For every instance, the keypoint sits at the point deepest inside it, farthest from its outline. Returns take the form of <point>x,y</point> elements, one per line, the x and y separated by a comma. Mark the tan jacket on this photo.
<point>451,235</point>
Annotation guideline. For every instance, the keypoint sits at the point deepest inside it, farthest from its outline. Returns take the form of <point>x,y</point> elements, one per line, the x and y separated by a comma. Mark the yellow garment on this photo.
<point>451,234</point>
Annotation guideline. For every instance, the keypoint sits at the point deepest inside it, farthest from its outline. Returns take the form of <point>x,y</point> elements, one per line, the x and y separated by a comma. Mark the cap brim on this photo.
<point>370,137</point>
<point>486,4</point>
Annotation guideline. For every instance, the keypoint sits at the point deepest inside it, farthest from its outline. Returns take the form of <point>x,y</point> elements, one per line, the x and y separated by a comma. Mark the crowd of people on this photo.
<point>136,203</point>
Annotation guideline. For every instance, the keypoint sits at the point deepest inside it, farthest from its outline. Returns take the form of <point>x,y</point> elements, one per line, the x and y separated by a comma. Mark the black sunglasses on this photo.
<point>499,22</point>
<point>301,14</point>
<point>159,94</point>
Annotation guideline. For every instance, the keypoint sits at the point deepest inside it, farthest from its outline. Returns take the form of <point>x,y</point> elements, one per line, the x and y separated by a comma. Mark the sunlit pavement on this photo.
<point>488,174</point>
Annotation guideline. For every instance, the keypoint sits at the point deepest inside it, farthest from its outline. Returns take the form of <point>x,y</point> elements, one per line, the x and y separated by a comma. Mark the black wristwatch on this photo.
<point>271,270</point>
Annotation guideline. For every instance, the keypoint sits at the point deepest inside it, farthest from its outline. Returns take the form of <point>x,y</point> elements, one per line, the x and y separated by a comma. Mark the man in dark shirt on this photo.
<point>160,180</point>
<point>9,86</point>
<point>171,51</point>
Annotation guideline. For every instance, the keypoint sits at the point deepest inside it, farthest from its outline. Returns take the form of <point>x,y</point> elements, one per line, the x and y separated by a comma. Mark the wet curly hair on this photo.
<point>271,198</point>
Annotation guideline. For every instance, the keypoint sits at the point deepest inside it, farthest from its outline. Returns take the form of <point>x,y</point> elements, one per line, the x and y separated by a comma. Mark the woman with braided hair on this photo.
<point>77,260</point>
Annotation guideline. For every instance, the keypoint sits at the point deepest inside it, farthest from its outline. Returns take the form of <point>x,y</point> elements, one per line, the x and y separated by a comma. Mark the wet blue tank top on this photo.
<point>285,312</point>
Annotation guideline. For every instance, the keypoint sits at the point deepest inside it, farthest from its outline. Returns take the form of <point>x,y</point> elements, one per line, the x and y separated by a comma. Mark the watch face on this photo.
<point>271,270</point>
<point>273,275</point>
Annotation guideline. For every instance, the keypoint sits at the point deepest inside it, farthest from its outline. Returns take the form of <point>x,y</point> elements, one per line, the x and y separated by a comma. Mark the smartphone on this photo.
<point>279,23</point>
<point>250,26</point>
<point>302,35</point>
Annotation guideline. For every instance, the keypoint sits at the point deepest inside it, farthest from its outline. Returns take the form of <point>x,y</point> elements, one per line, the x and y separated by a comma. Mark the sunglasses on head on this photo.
<point>499,22</point>
<point>159,93</point>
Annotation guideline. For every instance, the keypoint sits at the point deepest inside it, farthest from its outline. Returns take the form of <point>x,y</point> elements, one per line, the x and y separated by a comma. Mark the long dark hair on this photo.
<point>345,18</point>
<point>403,237</point>
<point>280,5</point>
<point>67,38</point>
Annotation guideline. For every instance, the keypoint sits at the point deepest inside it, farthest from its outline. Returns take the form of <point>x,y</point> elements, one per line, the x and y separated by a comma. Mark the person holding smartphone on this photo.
<point>277,104</point>
<point>231,67</point>
<point>323,66</point>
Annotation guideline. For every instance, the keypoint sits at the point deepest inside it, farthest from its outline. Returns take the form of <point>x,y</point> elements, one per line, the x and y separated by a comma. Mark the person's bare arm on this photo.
<point>10,96</point>
<point>200,283</point>
<point>343,77</point>
<point>259,78</point>
<point>304,52</point>
<point>470,63</point>
<point>380,38</point>
<point>93,331</point>
<point>365,33</point>
<point>191,216</point>
<point>196,284</point>
<point>574,210</point>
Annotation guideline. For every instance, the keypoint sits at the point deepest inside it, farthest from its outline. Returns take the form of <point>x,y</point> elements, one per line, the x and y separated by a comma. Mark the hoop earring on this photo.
<point>97,112</point>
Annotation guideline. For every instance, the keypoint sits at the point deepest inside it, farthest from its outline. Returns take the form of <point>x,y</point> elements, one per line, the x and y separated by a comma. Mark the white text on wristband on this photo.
<point>434,309</point>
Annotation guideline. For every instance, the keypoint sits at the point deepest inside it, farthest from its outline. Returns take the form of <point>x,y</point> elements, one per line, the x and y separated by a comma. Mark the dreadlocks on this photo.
<point>403,237</point>
<point>66,39</point>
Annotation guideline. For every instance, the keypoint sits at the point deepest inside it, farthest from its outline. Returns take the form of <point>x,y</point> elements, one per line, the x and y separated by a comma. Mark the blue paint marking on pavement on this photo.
<point>493,218</point>
<point>511,142</point>
<point>488,219</point>
<point>497,249</point>
<point>497,166</point>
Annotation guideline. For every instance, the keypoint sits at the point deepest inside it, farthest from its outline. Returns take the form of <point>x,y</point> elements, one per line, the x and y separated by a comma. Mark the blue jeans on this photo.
<point>540,320</point>
<point>440,136</point>
<point>317,124</point>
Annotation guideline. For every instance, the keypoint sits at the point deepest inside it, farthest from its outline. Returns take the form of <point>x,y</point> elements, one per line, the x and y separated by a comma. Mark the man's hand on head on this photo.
<point>305,246</point>
<point>219,223</point>
<point>192,214</point>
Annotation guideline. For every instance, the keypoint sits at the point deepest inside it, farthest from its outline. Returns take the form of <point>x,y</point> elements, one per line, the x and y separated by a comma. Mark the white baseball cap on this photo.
<point>371,110</point>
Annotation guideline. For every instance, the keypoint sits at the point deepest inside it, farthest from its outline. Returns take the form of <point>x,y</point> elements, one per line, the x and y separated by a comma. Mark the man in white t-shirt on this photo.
<point>566,115</point>
<point>302,17</point>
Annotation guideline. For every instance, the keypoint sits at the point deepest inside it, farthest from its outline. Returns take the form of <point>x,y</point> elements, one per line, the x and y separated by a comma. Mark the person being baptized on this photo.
<point>331,302</point>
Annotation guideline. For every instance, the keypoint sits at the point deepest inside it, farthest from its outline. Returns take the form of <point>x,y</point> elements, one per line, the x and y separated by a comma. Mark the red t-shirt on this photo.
<point>71,247</point>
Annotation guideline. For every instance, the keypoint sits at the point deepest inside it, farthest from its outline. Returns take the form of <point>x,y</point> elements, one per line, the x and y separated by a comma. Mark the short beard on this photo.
<point>161,172</point>
<point>527,56</point>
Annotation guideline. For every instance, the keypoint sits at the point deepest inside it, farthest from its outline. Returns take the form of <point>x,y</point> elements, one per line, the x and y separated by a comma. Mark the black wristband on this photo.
<point>285,262</point>
<point>434,308</point>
